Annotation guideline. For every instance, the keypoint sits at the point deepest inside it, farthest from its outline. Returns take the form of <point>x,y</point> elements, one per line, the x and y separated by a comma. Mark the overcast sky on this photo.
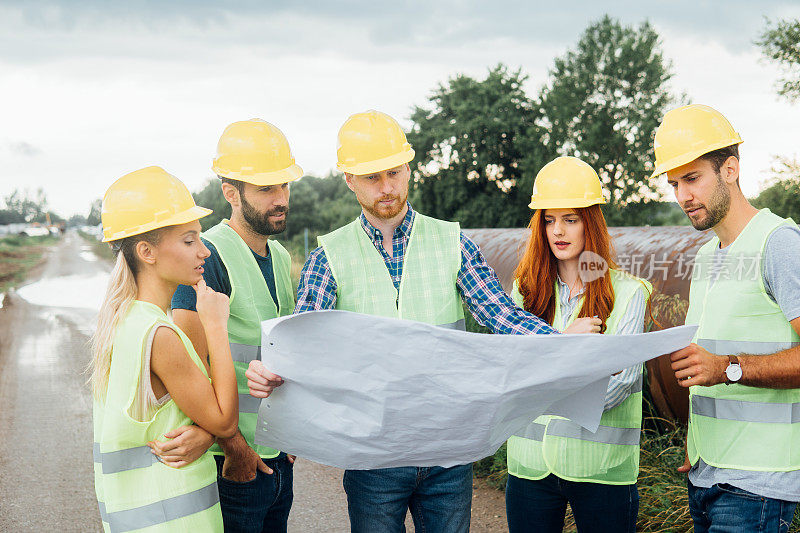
<point>94,90</point>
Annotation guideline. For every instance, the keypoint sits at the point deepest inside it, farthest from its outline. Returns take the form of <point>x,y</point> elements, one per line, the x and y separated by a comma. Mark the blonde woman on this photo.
<point>146,377</point>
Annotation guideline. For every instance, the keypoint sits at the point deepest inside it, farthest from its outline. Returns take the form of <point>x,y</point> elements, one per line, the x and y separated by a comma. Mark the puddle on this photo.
<point>80,291</point>
<point>88,256</point>
<point>2,298</point>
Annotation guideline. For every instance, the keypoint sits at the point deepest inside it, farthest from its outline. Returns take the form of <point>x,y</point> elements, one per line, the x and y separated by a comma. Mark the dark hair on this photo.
<point>718,157</point>
<point>236,183</point>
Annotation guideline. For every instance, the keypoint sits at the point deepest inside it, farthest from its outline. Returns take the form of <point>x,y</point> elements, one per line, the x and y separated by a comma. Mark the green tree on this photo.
<point>603,102</point>
<point>29,207</point>
<point>780,41</point>
<point>782,196</point>
<point>477,144</point>
<point>210,196</point>
<point>95,211</point>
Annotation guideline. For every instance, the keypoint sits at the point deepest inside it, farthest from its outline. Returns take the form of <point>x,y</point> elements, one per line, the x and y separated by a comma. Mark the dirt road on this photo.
<point>46,480</point>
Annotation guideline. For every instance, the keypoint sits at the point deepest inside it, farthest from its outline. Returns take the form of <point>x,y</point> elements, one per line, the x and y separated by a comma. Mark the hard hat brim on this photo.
<point>378,165</point>
<point>193,213</point>
<point>564,203</point>
<point>262,179</point>
<point>685,159</point>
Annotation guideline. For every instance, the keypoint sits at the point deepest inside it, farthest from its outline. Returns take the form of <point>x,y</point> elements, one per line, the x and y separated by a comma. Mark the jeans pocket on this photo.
<point>227,481</point>
<point>736,491</point>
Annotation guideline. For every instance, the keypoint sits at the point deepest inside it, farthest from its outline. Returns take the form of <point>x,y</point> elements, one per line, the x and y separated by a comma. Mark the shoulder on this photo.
<point>316,259</point>
<point>338,233</point>
<point>437,222</point>
<point>784,240</point>
<point>166,340</point>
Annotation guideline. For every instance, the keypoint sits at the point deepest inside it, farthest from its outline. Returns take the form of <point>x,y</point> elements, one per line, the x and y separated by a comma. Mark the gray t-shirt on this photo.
<point>781,273</point>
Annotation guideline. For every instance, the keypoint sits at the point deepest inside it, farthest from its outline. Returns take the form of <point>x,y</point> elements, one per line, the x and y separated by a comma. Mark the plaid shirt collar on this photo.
<point>404,229</point>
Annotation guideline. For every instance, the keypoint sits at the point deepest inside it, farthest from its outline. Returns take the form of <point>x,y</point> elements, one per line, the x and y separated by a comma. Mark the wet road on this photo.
<point>46,479</point>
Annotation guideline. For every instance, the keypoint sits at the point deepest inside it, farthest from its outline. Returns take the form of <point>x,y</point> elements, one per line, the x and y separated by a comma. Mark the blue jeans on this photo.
<point>439,499</point>
<point>724,508</point>
<point>540,505</point>
<point>260,505</point>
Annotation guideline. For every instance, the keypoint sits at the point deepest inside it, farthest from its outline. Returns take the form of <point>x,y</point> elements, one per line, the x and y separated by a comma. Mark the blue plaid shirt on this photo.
<point>477,283</point>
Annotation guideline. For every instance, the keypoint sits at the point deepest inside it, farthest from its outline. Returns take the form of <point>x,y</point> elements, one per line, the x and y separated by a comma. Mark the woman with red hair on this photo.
<point>557,461</point>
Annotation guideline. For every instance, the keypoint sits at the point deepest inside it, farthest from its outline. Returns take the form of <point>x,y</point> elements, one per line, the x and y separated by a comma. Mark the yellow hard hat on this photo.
<point>566,182</point>
<point>257,152</point>
<point>371,142</point>
<point>688,132</point>
<point>145,200</point>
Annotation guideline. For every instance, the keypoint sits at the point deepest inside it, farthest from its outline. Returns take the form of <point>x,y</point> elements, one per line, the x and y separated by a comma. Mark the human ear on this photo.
<point>145,252</point>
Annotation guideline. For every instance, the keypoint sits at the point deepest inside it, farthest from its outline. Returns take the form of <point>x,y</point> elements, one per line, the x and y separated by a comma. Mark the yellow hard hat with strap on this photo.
<point>688,132</point>
<point>145,200</point>
<point>566,182</point>
<point>256,152</point>
<point>371,142</point>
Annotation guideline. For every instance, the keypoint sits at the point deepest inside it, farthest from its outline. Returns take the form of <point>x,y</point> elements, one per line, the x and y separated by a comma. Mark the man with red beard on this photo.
<point>394,262</point>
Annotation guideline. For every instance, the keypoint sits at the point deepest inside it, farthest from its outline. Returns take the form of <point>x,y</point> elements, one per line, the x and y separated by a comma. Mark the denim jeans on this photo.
<point>439,499</point>
<point>540,505</point>
<point>724,508</point>
<point>260,505</point>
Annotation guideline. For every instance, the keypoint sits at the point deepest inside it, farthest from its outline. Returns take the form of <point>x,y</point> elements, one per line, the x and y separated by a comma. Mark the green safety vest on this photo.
<point>736,426</point>
<point>251,304</point>
<point>134,490</point>
<point>556,445</point>
<point>428,291</point>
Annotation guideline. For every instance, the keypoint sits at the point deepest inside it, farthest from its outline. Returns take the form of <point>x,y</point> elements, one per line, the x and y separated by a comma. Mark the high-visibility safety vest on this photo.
<point>250,304</point>
<point>134,490</point>
<point>736,426</point>
<point>556,445</point>
<point>427,291</point>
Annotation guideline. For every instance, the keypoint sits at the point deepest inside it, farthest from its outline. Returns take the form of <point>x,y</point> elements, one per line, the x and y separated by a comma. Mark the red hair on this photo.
<point>538,269</point>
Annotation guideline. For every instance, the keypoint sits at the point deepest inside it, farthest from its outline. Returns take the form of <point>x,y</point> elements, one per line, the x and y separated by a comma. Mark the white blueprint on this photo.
<point>364,392</point>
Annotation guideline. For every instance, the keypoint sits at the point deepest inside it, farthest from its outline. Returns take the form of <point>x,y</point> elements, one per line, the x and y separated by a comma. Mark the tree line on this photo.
<point>480,142</point>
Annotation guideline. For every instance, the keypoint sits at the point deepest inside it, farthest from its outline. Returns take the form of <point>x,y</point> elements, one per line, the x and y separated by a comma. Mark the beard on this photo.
<point>260,222</point>
<point>716,208</point>
<point>385,212</point>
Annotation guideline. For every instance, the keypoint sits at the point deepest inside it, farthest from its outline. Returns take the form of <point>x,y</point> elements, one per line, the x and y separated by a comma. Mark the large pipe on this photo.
<point>661,254</point>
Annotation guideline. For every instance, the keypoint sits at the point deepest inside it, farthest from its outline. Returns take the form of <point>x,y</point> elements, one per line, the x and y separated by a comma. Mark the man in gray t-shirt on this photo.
<point>747,424</point>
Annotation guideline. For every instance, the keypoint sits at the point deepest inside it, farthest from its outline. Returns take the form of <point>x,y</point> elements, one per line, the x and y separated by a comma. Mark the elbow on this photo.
<point>226,432</point>
<point>228,427</point>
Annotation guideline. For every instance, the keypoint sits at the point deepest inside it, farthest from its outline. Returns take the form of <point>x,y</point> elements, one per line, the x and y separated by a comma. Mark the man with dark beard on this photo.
<point>255,165</point>
<point>743,369</point>
<point>392,261</point>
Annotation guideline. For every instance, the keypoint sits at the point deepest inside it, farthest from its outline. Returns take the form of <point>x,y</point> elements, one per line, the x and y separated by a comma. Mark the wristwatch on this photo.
<point>734,370</point>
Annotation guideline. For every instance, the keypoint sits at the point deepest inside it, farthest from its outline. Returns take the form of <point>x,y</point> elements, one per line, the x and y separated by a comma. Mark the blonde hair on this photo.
<point>120,293</point>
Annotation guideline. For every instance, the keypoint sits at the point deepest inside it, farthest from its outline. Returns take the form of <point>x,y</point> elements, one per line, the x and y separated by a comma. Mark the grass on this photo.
<point>101,249</point>
<point>18,255</point>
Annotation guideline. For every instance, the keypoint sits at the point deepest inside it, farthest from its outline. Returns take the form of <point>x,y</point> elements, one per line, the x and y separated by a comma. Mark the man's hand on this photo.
<point>241,461</point>
<point>694,365</point>
<point>686,466</point>
<point>260,380</point>
<point>186,444</point>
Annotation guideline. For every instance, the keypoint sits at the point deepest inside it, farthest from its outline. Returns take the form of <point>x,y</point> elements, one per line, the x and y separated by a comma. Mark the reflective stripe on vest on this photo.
<point>244,353</point>
<point>604,434</point>
<point>742,411</point>
<point>248,404</point>
<point>251,304</point>
<point>162,511</point>
<point>722,347</point>
<point>554,445</point>
<point>730,426</point>
<point>125,459</point>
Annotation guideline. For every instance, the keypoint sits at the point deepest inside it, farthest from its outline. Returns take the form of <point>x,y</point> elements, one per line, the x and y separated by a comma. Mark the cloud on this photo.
<point>24,149</point>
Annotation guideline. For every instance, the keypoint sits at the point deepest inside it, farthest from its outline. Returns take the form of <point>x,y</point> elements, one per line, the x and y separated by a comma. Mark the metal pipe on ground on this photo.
<point>661,254</point>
